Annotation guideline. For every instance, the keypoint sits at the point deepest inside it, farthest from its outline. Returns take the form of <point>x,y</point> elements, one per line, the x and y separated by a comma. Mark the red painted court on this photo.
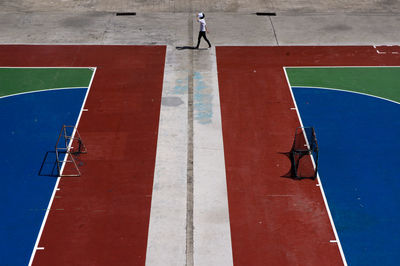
<point>105,213</point>
<point>102,217</point>
<point>274,219</point>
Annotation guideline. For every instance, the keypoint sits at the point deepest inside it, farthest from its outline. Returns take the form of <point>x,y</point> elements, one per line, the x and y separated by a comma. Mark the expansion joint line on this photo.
<point>273,28</point>
<point>189,192</point>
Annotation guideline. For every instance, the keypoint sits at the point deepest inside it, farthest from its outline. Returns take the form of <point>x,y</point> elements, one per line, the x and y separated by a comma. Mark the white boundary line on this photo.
<point>341,67</point>
<point>372,45</point>
<point>102,43</point>
<point>30,92</point>
<point>92,44</point>
<point>318,179</point>
<point>92,68</point>
<point>363,45</point>
<point>58,178</point>
<point>355,92</point>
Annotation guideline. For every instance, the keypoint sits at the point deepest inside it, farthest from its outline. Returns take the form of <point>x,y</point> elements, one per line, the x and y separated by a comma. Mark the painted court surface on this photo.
<point>350,95</point>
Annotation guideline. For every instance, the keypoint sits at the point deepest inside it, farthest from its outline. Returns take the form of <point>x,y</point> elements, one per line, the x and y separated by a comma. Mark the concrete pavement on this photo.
<point>190,161</point>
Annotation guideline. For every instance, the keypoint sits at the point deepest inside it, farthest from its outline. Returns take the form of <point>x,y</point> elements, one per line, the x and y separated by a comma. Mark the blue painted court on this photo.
<point>359,162</point>
<point>30,127</point>
<point>31,120</point>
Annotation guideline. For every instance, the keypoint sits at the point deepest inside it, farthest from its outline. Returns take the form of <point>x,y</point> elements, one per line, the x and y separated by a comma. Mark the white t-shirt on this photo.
<point>202,24</point>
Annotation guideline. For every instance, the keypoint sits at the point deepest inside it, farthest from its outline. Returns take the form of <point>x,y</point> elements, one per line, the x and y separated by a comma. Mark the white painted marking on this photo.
<point>333,241</point>
<point>40,248</point>
<point>58,178</point>
<point>212,236</point>
<point>279,195</point>
<point>318,179</point>
<point>85,110</point>
<point>81,44</point>
<point>91,68</point>
<point>45,90</point>
<point>293,108</point>
<point>58,189</point>
<point>348,91</point>
<point>166,244</point>
<point>340,67</point>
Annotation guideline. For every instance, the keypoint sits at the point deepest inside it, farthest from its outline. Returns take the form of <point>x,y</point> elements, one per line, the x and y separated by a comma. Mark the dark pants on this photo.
<point>203,34</point>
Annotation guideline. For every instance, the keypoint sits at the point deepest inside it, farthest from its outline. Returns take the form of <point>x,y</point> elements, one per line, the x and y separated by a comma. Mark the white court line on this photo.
<point>341,67</point>
<point>349,91</point>
<point>58,178</point>
<point>318,178</point>
<point>44,90</point>
<point>59,67</point>
<point>53,67</point>
<point>384,46</point>
<point>84,44</point>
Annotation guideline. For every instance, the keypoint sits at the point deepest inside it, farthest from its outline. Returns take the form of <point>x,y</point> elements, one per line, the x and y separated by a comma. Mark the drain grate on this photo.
<point>126,14</point>
<point>270,14</point>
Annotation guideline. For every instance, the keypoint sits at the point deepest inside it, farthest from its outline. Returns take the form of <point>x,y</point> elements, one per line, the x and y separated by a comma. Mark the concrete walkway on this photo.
<point>189,222</point>
<point>225,28</point>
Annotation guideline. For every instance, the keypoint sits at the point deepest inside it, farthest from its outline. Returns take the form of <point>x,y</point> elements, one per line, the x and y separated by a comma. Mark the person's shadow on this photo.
<point>189,48</point>
<point>185,48</point>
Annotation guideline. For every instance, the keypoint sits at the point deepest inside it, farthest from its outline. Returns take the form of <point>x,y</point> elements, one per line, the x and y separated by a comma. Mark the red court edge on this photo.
<point>102,217</point>
<point>274,220</point>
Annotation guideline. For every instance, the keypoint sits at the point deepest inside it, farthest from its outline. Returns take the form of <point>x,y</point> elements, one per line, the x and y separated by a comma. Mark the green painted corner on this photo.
<point>378,81</point>
<point>20,80</point>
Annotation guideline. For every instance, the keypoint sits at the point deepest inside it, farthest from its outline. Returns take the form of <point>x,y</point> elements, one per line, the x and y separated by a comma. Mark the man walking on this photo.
<point>203,29</point>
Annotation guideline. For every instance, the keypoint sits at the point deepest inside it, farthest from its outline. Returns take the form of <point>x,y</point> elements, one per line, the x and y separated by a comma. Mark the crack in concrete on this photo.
<point>189,201</point>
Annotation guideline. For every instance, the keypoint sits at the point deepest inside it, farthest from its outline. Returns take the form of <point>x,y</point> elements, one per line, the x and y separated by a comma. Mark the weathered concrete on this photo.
<point>212,238</point>
<point>337,29</point>
<point>189,202</point>
<point>149,6</point>
<point>225,28</point>
<point>167,235</point>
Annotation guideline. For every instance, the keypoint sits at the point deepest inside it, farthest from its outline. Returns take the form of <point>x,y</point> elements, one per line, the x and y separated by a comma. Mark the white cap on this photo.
<point>200,15</point>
